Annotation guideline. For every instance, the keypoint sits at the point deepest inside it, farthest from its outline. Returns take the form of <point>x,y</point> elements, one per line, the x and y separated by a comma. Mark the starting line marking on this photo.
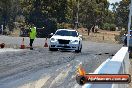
<point>9,50</point>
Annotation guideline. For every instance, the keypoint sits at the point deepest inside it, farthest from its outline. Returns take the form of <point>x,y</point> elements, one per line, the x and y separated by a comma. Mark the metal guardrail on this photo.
<point>119,64</point>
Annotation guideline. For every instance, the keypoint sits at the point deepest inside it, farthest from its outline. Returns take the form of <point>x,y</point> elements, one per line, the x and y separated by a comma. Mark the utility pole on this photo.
<point>129,24</point>
<point>2,29</point>
<point>77,15</point>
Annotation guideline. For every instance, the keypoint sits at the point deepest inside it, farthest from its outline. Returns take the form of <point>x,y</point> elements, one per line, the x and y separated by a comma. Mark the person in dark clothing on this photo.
<point>125,41</point>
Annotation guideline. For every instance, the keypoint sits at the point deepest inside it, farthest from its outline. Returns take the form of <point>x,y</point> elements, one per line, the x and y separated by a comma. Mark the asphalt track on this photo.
<point>42,68</point>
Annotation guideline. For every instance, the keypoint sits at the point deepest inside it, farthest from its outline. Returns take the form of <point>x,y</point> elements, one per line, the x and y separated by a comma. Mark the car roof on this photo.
<point>66,29</point>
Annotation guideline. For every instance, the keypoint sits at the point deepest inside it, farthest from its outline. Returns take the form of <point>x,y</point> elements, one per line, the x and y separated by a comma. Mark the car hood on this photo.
<point>65,37</point>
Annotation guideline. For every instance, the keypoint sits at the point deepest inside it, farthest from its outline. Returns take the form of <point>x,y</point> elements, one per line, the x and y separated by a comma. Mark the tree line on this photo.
<point>53,14</point>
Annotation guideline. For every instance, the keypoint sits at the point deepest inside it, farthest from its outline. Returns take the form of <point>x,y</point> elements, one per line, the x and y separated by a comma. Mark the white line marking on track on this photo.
<point>36,84</point>
<point>9,50</point>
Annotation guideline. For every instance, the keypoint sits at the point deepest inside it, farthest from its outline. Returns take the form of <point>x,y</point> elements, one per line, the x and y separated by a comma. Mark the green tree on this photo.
<point>93,12</point>
<point>9,9</point>
<point>122,13</point>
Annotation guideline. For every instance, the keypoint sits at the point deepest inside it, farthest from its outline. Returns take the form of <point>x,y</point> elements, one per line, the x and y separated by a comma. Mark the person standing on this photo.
<point>32,36</point>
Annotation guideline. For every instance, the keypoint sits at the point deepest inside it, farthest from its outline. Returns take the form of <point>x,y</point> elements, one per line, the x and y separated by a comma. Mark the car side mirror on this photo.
<point>80,35</point>
<point>51,34</point>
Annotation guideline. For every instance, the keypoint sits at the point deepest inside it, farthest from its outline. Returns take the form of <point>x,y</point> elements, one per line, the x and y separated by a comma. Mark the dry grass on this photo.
<point>101,36</point>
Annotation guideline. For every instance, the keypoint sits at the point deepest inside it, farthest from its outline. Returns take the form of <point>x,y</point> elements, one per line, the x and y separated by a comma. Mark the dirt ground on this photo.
<point>57,69</point>
<point>101,36</point>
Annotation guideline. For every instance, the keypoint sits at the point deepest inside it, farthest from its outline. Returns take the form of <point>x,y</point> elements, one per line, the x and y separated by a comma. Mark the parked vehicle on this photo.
<point>125,39</point>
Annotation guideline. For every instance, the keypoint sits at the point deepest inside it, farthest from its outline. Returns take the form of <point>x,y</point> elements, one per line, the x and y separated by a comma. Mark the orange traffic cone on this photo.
<point>46,44</point>
<point>22,45</point>
<point>2,45</point>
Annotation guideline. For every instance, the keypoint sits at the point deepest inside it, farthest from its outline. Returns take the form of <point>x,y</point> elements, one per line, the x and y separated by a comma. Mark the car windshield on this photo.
<point>66,33</point>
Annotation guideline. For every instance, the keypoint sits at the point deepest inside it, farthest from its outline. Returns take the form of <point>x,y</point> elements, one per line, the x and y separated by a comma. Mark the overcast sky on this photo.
<point>113,1</point>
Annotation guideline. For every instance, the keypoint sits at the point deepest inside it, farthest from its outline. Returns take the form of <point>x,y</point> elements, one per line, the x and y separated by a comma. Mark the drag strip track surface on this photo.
<point>41,68</point>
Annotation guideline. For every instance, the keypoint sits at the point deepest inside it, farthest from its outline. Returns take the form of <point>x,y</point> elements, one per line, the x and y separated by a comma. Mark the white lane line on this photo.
<point>77,86</point>
<point>36,84</point>
<point>9,50</point>
<point>40,83</point>
<point>60,78</point>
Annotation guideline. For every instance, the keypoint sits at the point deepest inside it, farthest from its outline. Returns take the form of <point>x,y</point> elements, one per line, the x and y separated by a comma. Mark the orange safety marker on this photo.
<point>46,44</point>
<point>80,78</point>
<point>22,45</point>
<point>2,45</point>
<point>81,71</point>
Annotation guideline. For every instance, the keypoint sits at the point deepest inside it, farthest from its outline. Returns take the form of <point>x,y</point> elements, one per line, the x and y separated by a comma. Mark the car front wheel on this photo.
<point>79,49</point>
<point>52,49</point>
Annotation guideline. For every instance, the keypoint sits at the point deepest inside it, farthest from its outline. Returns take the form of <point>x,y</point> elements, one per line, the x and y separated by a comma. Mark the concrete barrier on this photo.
<point>119,64</point>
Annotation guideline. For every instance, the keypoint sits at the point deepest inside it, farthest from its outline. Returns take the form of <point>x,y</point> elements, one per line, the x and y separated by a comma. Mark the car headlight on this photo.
<point>75,41</point>
<point>53,40</point>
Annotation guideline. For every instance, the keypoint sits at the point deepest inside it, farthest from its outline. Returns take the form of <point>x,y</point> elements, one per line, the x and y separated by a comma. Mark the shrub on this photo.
<point>108,26</point>
<point>64,25</point>
<point>119,37</point>
<point>112,27</point>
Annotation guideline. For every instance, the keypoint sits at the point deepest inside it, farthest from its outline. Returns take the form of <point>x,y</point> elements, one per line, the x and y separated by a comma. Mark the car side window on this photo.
<point>75,34</point>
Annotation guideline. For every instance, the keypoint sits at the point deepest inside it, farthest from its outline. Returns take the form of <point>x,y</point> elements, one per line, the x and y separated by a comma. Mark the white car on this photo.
<point>66,39</point>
